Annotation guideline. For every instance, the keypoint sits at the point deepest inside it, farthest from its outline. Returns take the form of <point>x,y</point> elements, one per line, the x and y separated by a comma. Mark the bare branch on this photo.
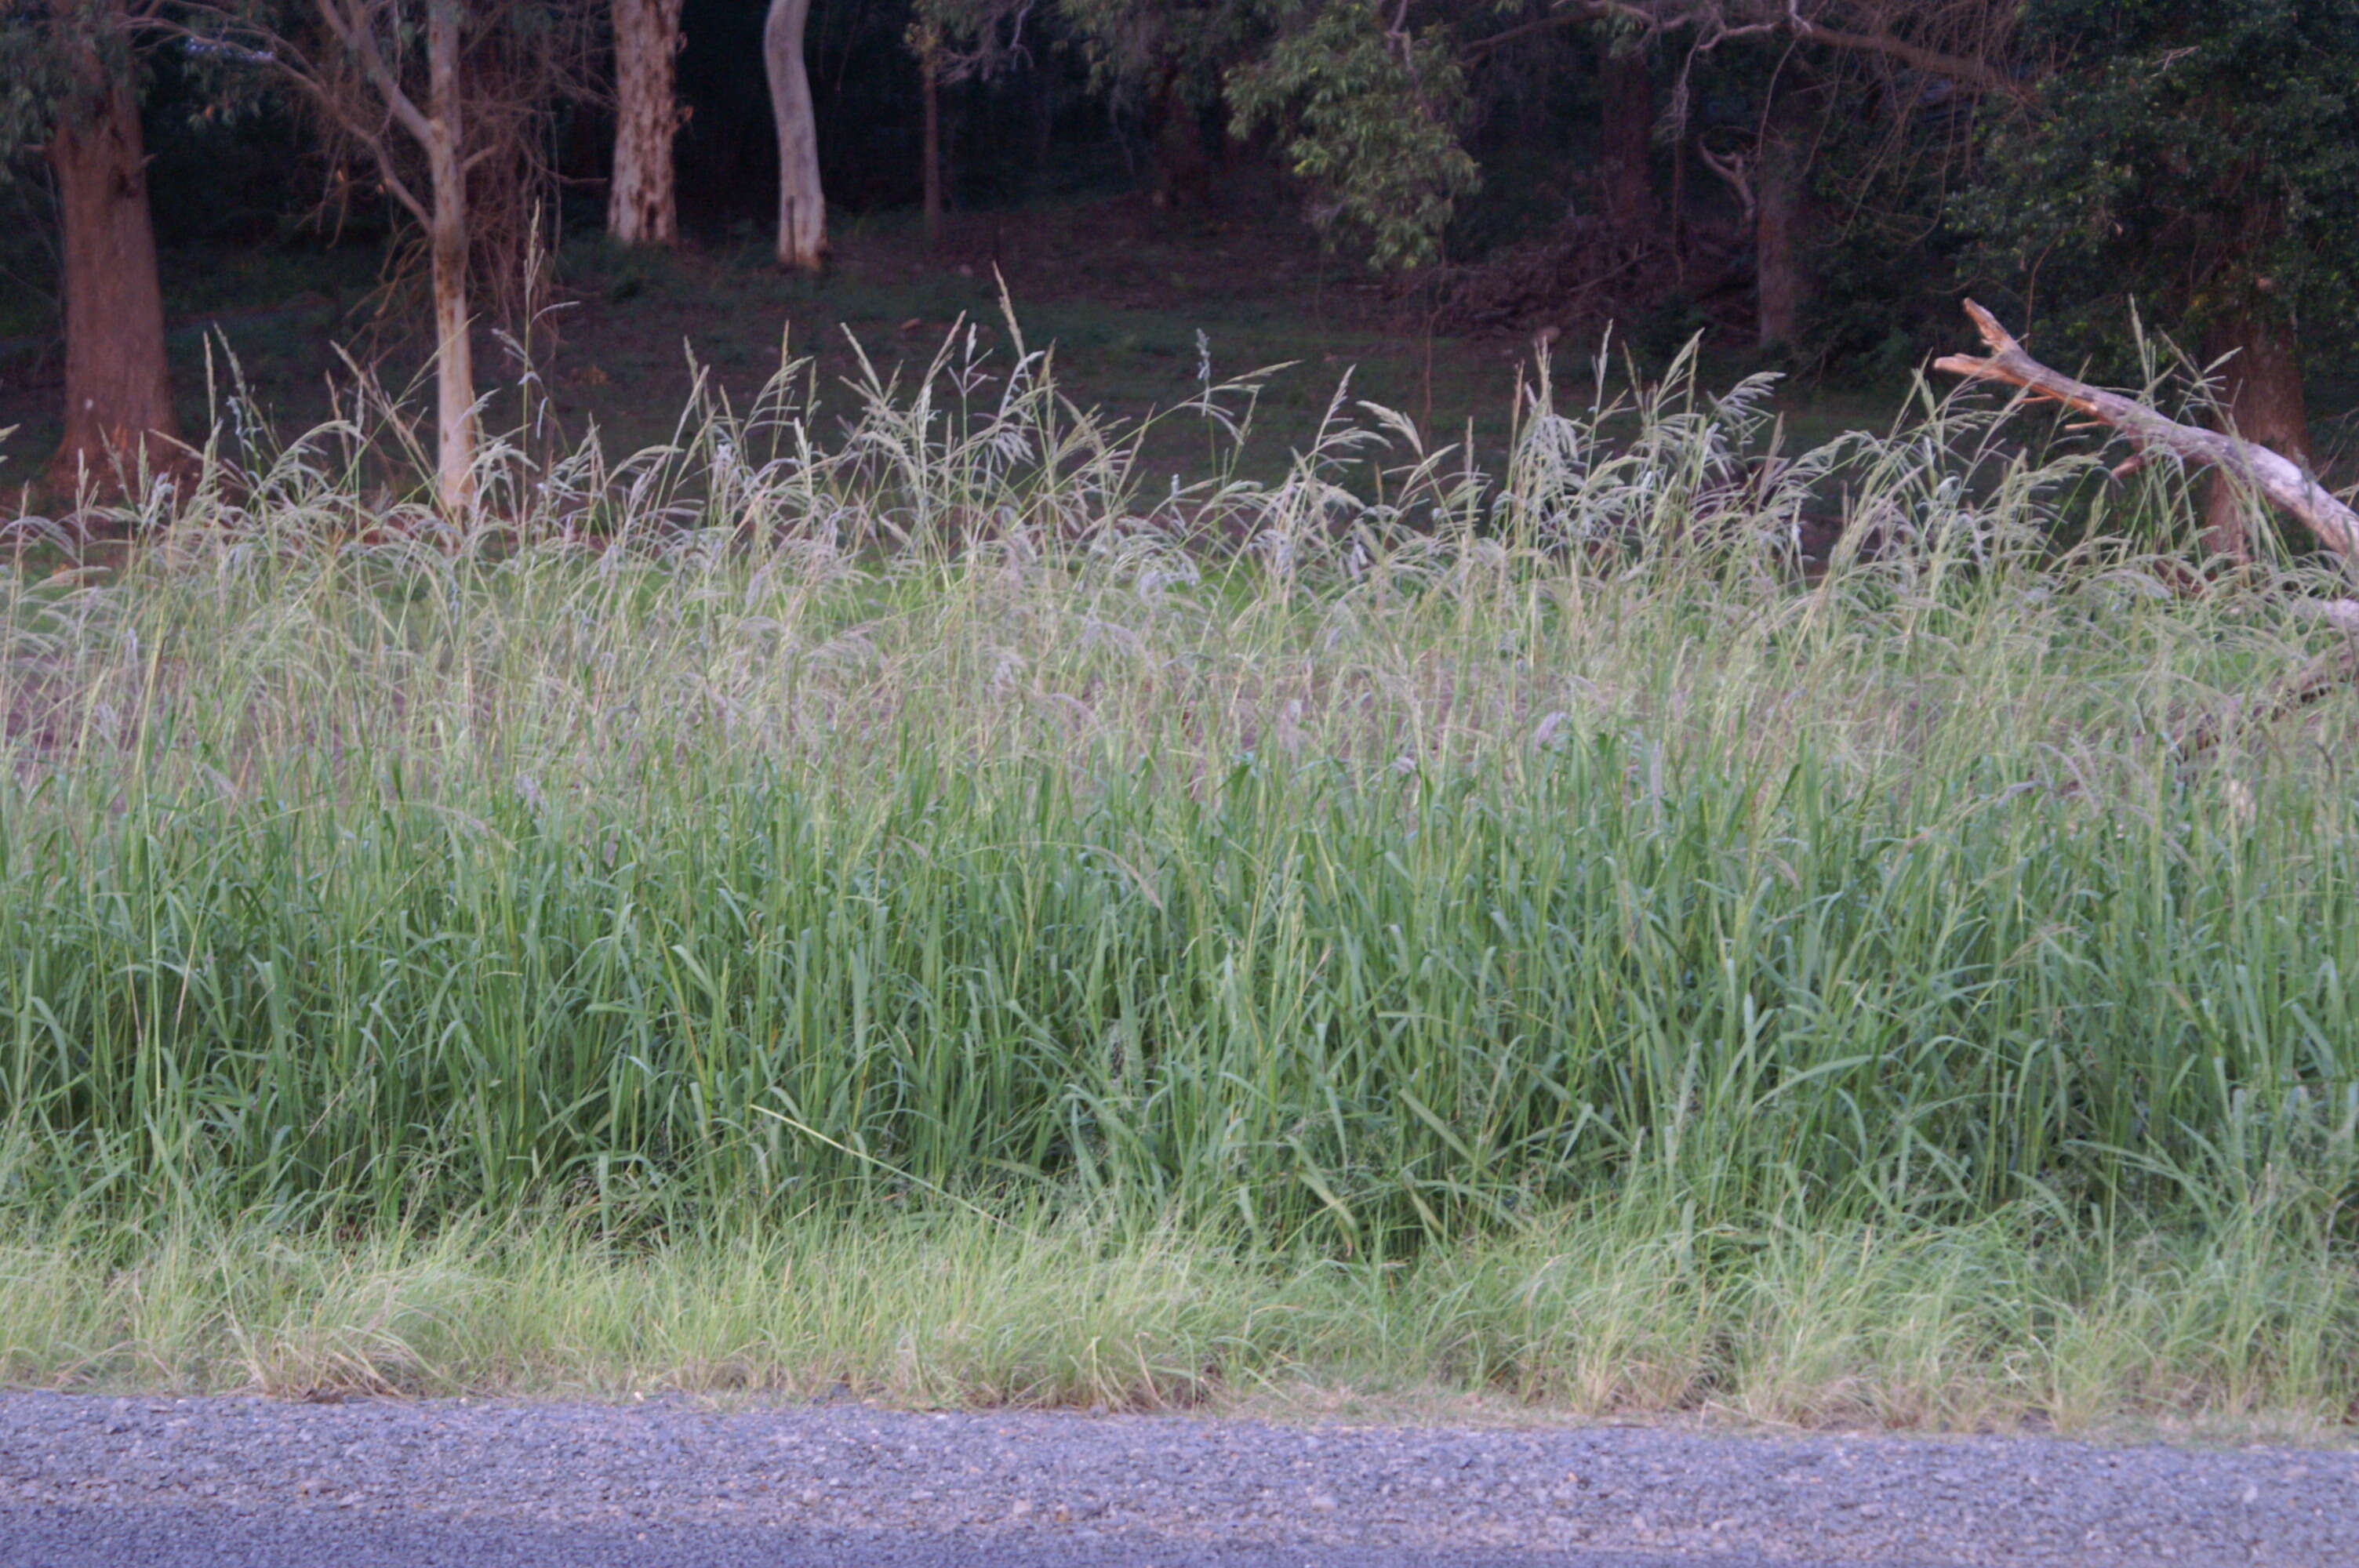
<point>2284,482</point>
<point>1959,41</point>
<point>1735,169</point>
<point>2321,677</point>
<point>284,55</point>
<point>1976,72</point>
<point>353,24</point>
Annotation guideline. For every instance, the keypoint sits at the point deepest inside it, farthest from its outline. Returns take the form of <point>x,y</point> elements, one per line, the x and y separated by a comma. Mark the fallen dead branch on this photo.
<point>2284,484</point>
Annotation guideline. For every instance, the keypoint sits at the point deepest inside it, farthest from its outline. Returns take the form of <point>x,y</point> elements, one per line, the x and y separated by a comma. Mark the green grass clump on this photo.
<point>1621,1307</point>
<point>1390,865</point>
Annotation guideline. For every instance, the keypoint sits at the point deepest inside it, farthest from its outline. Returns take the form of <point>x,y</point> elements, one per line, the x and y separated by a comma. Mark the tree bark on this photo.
<point>802,206</point>
<point>2261,401</point>
<point>930,73</point>
<point>1627,89</point>
<point>1043,104</point>
<point>118,413</point>
<point>642,199</point>
<point>454,352</point>
<point>1777,224</point>
<point>1183,170</point>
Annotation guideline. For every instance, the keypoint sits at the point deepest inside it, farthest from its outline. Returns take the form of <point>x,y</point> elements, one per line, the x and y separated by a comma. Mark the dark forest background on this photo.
<point>1423,192</point>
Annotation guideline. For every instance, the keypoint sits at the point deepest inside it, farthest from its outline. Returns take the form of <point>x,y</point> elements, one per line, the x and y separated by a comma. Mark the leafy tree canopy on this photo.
<point>2201,156</point>
<point>53,55</point>
<point>1375,108</point>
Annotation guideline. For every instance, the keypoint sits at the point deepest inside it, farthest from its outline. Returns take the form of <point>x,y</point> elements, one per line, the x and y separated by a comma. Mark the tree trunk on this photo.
<point>1680,207</point>
<point>802,206</point>
<point>642,202</point>
<point>454,354</point>
<point>1627,87</point>
<point>932,155</point>
<point>1183,170</point>
<point>1044,121</point>
<point>2261,400</point>
<point>118,413</point>
<point>1782,286</point>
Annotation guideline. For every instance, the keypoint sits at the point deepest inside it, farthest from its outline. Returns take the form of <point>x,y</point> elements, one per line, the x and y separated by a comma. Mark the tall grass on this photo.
<point>913,802</point>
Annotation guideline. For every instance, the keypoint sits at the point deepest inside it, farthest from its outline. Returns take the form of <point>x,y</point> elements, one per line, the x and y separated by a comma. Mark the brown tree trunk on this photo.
<point>1044,122</point>
<point>1778,226</point>
<point>118,414</point>
<point>2261,400</point>
<point>1627,89</point>
<point>642,202</point>
<point>1680,207</point>
<point>1183,170</point>
<point>803,206</point>
<point>931,154</point>
<point>454,354</point>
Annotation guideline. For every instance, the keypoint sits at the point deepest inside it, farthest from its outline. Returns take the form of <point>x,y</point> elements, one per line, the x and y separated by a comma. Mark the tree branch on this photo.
<point>2281,481</point>
<point>1566,16</point>
<point>2284,484</point>
<point>352,30</point>
<point>1967,72</point>
<point>278,51</point>
<point>1735,171</point>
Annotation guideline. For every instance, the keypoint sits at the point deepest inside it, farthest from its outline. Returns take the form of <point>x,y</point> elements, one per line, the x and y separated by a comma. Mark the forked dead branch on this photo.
<point>2282,482</point>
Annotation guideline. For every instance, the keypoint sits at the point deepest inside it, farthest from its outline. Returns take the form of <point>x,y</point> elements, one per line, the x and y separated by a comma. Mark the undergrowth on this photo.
<point>1512,928</point>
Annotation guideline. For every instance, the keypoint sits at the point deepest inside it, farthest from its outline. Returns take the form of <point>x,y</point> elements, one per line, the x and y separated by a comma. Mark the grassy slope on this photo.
<point>886,910</point>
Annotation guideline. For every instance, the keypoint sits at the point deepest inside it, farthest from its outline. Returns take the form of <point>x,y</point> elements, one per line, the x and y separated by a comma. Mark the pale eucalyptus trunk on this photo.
<point>802,206</point>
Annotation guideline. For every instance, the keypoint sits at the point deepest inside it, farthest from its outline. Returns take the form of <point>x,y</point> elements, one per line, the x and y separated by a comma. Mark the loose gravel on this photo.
<point>1142,1489</point>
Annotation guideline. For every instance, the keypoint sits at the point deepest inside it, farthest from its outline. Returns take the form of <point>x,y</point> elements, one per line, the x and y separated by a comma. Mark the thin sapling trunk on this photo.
<point>1627,127</point>
<point>454,379</point>
<point>930,79</point>
<point>1783,285</point>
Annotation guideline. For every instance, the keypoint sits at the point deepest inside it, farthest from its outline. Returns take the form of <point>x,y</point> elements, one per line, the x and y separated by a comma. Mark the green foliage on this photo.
<point>1373,117</point>
<point>1145,47</point>
<point>53,55</point>
<point>30,89</point>
<point>2201,156</point>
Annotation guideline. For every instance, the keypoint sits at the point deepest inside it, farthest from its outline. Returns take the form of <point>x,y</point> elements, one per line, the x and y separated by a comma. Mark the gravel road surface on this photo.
<point>171,1482</point>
